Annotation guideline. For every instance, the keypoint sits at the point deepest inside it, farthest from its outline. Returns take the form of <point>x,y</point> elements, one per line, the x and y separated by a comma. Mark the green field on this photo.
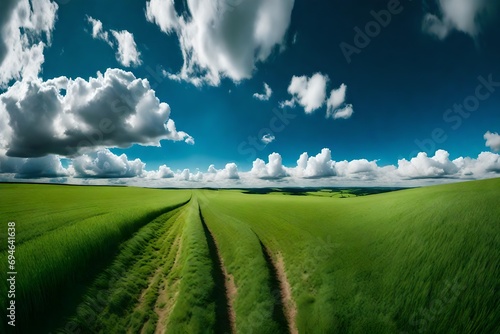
<point>132,260</point>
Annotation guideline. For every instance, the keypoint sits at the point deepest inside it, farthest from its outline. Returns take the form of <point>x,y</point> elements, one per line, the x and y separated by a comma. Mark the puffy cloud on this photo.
<point>318,166</point>
<point>48,166</point>
<point>230,172</point>
<point>462,15</point>
<point>163,172</point>
<point>105,164</point>
<point>424,167</point>
<point>492,140</point>
<point>104,167</point>
<point>310,93</point>
<point>97,30</point>
<point>186,175</point>
<point>336,99</point>
<point>267,138</point>
<point>486,165</point>
<point>336,107</point>
<point>266,95</point>
<point>345,112</point>
<point>69,116</point>
<point>222,38</point>
<point>126,53</point>
<point>272,170</point>
<point>163,14</point>
<point>25,29</point>
<point>362,169</point>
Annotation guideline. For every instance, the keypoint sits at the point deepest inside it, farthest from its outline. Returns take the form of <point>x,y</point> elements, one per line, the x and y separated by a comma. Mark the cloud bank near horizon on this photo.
<point>104,167</point>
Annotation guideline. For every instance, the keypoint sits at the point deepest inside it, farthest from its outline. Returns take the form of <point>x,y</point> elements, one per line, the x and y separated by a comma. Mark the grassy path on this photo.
<point>225,288</point>
<point>285,309</point>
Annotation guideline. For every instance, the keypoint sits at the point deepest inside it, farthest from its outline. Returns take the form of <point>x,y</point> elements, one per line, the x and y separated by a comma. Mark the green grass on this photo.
<point>55,263</point>
<point>382,263</point>
<point>422,260</point>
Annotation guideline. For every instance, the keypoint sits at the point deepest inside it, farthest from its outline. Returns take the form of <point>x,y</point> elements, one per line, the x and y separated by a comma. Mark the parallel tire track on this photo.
<point>286,306</point>
<point>225,287</point>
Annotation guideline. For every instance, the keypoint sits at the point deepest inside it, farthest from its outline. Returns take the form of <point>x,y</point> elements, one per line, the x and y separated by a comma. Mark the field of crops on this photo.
<point>129,260</point>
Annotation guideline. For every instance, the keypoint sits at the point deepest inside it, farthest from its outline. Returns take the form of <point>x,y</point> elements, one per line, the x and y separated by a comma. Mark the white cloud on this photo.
<point>127,53</point>
<point>105,164</point>
<point>164,172</point>
<point>48,166</point>
<point>162,13</point>
<point>222,38</point>
<point>424,167</point>
<point>112,110</point>
<point>318,166</point>
<point>25,30</point>
<point>310,93</point>
<point>126,48</point>
<point>272,170</point>
<point>267,138</point>
<point>186,175</point>
<point>345,112</point>
<point>336,99</point>
<point>312,171</point>
<point>266,95</point>
<point>467,16</point>
<point>97,30</point>
<point>492,140</point>
<point>335,105</point>
<point>230,172</point>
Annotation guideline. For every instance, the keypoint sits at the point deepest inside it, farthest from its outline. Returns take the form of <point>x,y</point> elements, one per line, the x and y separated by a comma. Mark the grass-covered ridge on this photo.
<point>418,260</point>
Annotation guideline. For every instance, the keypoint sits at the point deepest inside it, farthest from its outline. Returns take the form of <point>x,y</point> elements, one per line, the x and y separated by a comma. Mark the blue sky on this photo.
<point>375,83</point>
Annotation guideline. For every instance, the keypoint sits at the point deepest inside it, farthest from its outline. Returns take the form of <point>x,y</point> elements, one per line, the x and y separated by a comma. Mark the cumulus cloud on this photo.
<point>48,166</point>
<point>344,112</point>
<point>318,166</point>
<point>105,164</point>
<point>25,30</point>
<point>165,172</point>
<point>492,140</point>
<point>266,95</point>
<point>335,105</point>
<point>127,53</point>
<point>267,138</point>
<point>465,16</point>
<point>319,170</point>
<point>230,172</point>
<point>124,43</point>
<point>222,38</point>
<point>423,166</point>
<point>186,175</point>
<point>272,170</point>
<point>69,116</point>
<point>98,31</point>
<point>310,93</point>
<point>336,99</point>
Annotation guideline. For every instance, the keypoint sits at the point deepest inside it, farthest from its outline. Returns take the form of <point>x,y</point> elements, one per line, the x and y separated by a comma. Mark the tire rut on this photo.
<point>225,287</point>
<point>285,310</point>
